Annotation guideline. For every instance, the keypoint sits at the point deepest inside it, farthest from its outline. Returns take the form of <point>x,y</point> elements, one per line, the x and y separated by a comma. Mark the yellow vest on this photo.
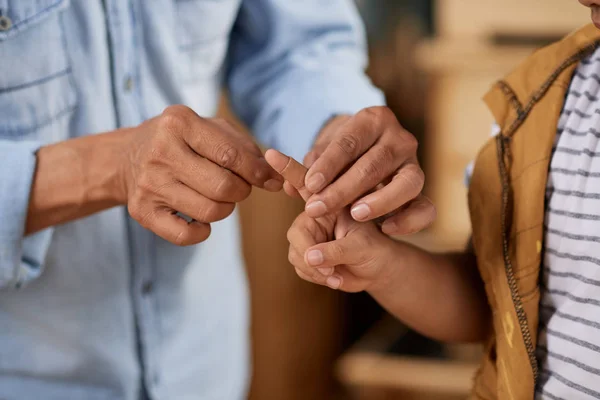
<point>506,201</point>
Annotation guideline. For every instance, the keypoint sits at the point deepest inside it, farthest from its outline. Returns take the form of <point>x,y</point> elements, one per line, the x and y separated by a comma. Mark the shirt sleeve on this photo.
<point>21,258</point>
<point>295,64</point>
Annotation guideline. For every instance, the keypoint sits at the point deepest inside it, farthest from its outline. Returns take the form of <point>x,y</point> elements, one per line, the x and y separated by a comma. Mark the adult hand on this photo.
<point>180,163</point>
<point>333,250</point>
<point>368,161</point>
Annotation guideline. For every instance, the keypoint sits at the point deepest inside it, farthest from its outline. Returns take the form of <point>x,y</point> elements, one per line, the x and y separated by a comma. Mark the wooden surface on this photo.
<point>370,371</point>
<point>297,327</point>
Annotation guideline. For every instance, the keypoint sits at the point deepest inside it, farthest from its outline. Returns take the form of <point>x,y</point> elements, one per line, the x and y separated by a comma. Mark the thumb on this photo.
<point>291,170</point>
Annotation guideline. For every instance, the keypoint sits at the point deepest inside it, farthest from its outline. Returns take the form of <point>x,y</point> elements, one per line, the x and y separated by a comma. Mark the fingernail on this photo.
<point>333,282</point>
<point>325,271</point>
<point>315,257</point>
<point>389,227</point>
<point>361,212</point>
<point>316,209</point>
<point>273,185</point>
<point>315,182</point>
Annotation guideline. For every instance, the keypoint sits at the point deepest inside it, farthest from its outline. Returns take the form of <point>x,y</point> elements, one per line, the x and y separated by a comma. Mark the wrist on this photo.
<point>104,158</point>
<point>75,178</point>
<point>395,257</point>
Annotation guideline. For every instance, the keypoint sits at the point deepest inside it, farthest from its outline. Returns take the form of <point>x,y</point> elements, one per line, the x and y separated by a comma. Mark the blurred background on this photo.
<point>434,60</point>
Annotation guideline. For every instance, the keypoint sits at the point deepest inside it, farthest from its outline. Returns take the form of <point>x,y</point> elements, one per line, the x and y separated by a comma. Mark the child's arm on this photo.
<point>440,296</point>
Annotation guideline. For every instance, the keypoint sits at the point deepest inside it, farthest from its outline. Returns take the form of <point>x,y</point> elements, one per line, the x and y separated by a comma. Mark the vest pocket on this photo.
<point>37,96</point>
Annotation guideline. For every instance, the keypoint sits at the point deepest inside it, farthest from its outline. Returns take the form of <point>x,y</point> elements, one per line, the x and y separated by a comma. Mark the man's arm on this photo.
<point>295,64</point>
<point>176,163</point>
<point>76,178</point>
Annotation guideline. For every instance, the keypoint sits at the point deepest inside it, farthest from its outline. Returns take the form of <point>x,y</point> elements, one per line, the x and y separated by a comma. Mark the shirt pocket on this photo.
<point>37,96</point>
<point>202,29</point>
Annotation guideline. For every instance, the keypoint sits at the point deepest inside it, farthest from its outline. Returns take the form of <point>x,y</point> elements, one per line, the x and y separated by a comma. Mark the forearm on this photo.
<point>441,296</point>
<point>76,178</point>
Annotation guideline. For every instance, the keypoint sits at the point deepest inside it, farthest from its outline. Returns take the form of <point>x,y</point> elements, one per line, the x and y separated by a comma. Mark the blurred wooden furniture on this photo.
<point>391,362</point>
<point>489,18</point>
<point>478,42</point>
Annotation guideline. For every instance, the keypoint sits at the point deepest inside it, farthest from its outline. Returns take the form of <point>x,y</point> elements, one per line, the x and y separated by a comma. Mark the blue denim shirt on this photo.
<point>100,308</point>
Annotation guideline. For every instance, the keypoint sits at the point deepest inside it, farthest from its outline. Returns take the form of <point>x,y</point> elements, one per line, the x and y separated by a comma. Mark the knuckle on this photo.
<point>410,143</point>
<point>333,197</point>
<point>378,115</point>
<point>226,187</point>
<point>227,156</point>
<point>292,232</point>
<point>145,184</point>
<point>414,179</point>
<point>316,276</point>
<point>134,209</point>
<point>374,169</point>
<point>292,257</point>
<point>349,144</point>
<point>430,212</point>
<point>387,154</point>
<point>173,119</point>
<point>183,238</point>
<point>261,174</point>
<point>142,216</point>
<point>214,211</point>
<point>232,189</point>
<point>335,252</point>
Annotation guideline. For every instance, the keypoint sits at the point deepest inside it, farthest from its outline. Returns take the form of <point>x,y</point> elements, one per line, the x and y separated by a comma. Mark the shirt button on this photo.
<point>128,84</point>
<point>5,23</point>
<point>147,288</point>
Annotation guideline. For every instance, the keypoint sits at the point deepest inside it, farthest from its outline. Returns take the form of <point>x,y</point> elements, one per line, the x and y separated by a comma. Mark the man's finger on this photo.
<point>246,140</point>
<point>418,215</point>
<point>165,223</point>
<point>291,170</point>
<point>290,190</point>
<point>210,179</point>
<point>196,206</point>
<point>372,168</point>
<point>234,154</point>
<point>353,138</point>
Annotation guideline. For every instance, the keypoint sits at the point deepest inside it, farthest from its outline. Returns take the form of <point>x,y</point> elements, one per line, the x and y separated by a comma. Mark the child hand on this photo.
<point>334,250</point>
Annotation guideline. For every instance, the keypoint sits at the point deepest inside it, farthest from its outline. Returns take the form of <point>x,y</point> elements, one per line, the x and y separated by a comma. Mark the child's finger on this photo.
<point>349,250</point>
<point>314,275</point>
<point>291,170</point>
<point>290,190</point>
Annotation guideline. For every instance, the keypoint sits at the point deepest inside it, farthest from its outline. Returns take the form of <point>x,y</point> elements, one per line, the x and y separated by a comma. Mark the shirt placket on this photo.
<point>126,92</point>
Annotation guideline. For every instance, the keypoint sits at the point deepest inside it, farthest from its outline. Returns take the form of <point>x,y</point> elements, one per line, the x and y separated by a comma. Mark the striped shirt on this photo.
<point>568,348</point>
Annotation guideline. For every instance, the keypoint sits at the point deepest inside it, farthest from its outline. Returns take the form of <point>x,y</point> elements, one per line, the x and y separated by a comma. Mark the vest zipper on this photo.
<point>503,143</point>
